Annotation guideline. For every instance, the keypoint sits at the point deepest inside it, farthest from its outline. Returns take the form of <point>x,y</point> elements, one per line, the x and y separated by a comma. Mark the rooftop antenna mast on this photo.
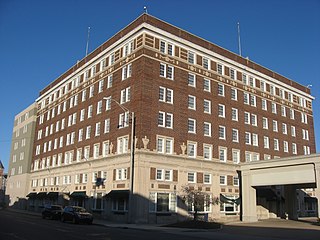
<point>239,40</point>
<point>145,9</point>
<point>88,37</point>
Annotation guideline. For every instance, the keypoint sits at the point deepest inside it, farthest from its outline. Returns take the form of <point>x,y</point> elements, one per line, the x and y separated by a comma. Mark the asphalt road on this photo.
<point>19,226</point>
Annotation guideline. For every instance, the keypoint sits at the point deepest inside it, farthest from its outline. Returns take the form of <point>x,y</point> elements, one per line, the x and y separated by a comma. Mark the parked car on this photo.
<point>52,212</point>
<point>76,215</point>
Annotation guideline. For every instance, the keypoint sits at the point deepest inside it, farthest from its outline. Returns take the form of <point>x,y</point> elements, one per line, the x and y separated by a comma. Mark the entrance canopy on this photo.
<point>298,172</point>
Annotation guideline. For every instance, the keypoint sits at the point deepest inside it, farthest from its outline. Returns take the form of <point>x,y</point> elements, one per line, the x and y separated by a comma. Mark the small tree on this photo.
<point>198,199</point>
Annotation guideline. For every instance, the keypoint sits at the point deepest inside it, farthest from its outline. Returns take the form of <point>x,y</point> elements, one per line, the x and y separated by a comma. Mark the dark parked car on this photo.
<point>52,212</point>
<point>76,215</point>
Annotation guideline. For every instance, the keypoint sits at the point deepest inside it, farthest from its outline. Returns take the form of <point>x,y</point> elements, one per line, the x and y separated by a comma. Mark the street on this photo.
<point>21,226</point>
<point>27,226</point>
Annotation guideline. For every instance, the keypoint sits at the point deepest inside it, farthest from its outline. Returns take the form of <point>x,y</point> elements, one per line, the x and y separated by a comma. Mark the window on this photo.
<point>99,107</point>
<point>221,110</point>
<point>165,120</point>
<point>247,118</point>
<point>192,102</point>
<point>232,74</point>
<point>88,132</point>
<point>91,91</point>
<point>305,134</point>
<point>274,108</point>
<point>276,144</point>
<point>82,113</point>
<point>206,85</point>
<point>107,125</point>
<point>191,80</point>
<point>207,178</point>
<point>265,123</point>
<point>205,63</point>
<point>266,142</point>
<point>234,94</point>
<point>254,121</point>
<point>235,135</point>
<point>252,82</point>
<point>80,135</point>
<point>127,49</point>
<point>223,180</point>
<point>207,129</point>
<point>285,146</point>
<point>162,202</point>
<point>191,177</point>
<point>98,127</point>
<point>109,81</point>
<point>234,114</point>
<point>126,71</point>
<point>255,139</point>
<point>284,128</point>
<point>108,103</point>
<point>294,148</point>
<point>220,69</point>
<point>121,174</point>
<point>246,98</point>
<point>236,156</point>
<point>263,86</point>
<point>207,151</point>
<point>272,90</point>
<point>207,106</point>
<point>112,58</point>
<point>304,118</point>
<point>191,125</point>
<point>192,149</point>
<point>291,112</point>
<point>105,148</point>
<point>245,79</point>
<point>90,111</point>
<point>222,132</point>
<point>166,71</point>
<point>166,48</point>
<point>222,154</point>
<point>122,146</point>
<point>165,95</point>
<point>293,131</point>
<point>123,120</point>
<point>274,125</point>
<point>96,149</point>
<point>283,111</point>
<point>125,95</point>
<point>164,145</point>
<point>164,175</point>
<point>264,105</point>
<point>248,138</point>
<point>220,89</point>
<point>191,57</point>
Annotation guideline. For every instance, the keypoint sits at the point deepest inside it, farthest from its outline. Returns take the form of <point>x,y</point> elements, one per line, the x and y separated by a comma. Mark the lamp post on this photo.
<point>132,148</point>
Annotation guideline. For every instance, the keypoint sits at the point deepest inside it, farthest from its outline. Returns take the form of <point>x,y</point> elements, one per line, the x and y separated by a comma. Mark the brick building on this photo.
<point>199,111</point>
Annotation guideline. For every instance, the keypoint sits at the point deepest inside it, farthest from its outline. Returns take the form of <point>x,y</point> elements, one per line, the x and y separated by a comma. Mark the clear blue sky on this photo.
<point>40,39</point>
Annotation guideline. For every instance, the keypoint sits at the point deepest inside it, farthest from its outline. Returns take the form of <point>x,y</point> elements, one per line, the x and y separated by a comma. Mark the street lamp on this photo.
<point>132,148</point>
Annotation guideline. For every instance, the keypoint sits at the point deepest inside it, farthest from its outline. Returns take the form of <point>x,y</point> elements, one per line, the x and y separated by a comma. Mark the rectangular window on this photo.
<point>122,146</point>
<point>207,151</point>
<point>221,110</point>
<point>293,131</point>
<point>164,145</point>
<point>232,74</point>
<point>264,104</point>
<point>235,135</point>
<point>91,91</point>
<point>96,148</point>
<point>255,139</point>
<point>265,123</point>
<point>88,132</point>
<point>191,80</point>
<point>274,125</point>
<point>125,95</point>
<point>207,178</point>
<point>205,63</point>
<point>222,132</point>
<point>109,81</point>
<point>105,148</point>
<point>220,90</point>
<point>207,106</point>
<point>126,71</point>
<point>123,120</point>
<point>276,144</point>
<point>98,127</point>
<point>206,85</point>
<point>234,114</point>
<point>223,180</point>
<point>220,69</point>
<point>192,102</point>
<point>291,112</point>
<point>165,95</point>
<point>254,121</point>
<point>90,111</point>
<point>121,174</point>
<point>266,142</point>
<point>191,57</point>
<point>107,125</point>
<point>108,103</point>
<point>191,125</point>
<point>191,177</point>
<point>246,98</point>
<point>165,120</point>
<point>166,71</point>
<point>207,129</point>
<point>192,149</point>
<point>294,148</point>
<point>284,128</point>
<point>234,94</point>
<point>274,108</point>
<point>285,146</point>
<point>236,156</point>
<point>283,111</point>
<point>235,181</point>
<point>247,118</point>
<point>222,154</point>
<point>99,107</point>
<point>248,138</point>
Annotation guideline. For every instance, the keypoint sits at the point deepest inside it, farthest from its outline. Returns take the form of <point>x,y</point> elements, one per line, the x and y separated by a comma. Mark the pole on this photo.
<point>131,194</point>
<point>87,47</point>
<point>239,40</point>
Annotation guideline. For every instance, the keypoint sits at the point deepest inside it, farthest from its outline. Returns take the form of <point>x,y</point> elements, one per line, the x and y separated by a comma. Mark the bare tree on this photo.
<point>198,199</point>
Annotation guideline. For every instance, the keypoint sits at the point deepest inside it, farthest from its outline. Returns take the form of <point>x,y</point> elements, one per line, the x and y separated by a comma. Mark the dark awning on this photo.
<point>32,195</point>
<point>79,194</point>
<point>310,199</point>
<point>225,199</point>
<point>118,194</point>
<point>52,194</point>
<point>41,194</point>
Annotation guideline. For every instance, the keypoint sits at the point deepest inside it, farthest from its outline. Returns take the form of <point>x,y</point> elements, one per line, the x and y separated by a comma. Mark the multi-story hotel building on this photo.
<point>21,156</point>
<point>195,110</point>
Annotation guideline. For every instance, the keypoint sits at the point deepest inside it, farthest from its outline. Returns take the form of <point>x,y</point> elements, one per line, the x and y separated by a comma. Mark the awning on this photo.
<point>79,194</point>
<point>41,195</point>
<point>32,195</point>
<point>118,194</point>
<point>225,199</point>
<point>310,199</point>
<point>52,194</point>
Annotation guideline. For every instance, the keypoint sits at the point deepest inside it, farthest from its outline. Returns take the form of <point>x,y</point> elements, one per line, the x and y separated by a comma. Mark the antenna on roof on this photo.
<point>145,9</point>
<point>239,40</point>
<point>88,41</point>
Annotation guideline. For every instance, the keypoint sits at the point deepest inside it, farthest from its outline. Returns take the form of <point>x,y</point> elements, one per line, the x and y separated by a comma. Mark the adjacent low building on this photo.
<point>155,109</point>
